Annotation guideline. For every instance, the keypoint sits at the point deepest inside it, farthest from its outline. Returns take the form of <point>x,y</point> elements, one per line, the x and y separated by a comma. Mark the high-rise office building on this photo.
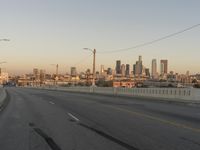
<point>36,73</point>
<point>139,66</point>
<point>118,67</point>
<point>147,72</point>
<point>154,68</point>
<point>127,69</point>
<point>42,75</point>
<point>134,69</point>
<point>187,73</point>
<point>109,71</point>
<point>123,70</point>
<point>73,71</point>
<point>163,66</point>
<point>140,58</point>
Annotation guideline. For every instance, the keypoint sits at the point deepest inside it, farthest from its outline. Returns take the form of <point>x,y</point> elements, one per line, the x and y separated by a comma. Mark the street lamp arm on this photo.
<point>4,39</point>
<point>3,62</point>
<point>88,49</point>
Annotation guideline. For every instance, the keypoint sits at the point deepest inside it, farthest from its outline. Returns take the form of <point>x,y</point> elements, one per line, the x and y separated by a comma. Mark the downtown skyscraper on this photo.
<point>127,69</point>
<point>163,67</point>
<point>138,66</point>
<point>154,69</point>
<point>73,71</point>
<point>123,70</point>
<point>118,67</point>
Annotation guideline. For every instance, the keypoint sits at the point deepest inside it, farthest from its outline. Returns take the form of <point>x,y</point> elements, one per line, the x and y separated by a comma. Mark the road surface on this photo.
<point>55,120</point>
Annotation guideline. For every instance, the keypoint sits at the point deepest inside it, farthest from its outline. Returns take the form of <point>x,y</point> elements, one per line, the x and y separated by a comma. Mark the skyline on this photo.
<point>47,32</point>
<point>157,66</point>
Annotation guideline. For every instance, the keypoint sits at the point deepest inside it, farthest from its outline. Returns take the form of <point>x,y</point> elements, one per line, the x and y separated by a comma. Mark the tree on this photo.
<point>194,81</point>
<point>196,85</point>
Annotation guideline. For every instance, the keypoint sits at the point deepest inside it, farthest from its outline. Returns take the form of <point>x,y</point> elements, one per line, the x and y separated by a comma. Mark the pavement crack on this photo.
<point>48,139</point>
<point>31,124</point>
<point>101,133</point>
<point>109,137</point>
<point>191,141</point>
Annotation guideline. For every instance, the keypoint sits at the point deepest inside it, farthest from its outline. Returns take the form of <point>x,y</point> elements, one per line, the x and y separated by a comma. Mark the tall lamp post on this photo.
<point>3,62</point>
<point>94,61</point>
<point>56,78</point>
<point>4,40</point>
<point>56,68</point>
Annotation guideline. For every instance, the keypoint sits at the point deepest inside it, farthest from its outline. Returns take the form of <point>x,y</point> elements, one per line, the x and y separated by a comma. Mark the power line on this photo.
<point>4,39</point>
<point>151,42</point>
<point>82,60</point>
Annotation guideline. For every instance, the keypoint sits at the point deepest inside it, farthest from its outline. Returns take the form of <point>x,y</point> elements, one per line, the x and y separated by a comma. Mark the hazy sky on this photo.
<point>45,32</point>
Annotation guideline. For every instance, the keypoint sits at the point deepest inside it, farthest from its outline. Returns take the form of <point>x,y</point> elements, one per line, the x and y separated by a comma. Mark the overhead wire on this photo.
<point>82,60</point>
<point>150,42</point>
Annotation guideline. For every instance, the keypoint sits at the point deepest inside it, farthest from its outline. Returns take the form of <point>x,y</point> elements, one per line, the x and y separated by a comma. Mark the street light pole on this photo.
<point>94,74</point>
<point>94,62</point>
<point>56,77</point>
<point>3,40</point>
<point>3,62</point>
<point>57,70</point>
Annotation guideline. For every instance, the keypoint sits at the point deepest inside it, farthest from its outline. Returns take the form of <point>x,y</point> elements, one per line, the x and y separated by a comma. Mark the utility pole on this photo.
<point>94,61</point>
<point>3,62</point>
<point>56,77</point>
<point>57,70</point>
<point>1,71</point>
<point>3,40</point>
<point>94,74</point>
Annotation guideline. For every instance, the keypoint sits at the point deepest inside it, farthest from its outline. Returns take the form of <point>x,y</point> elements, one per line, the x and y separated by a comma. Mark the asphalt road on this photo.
<point>45,120</point>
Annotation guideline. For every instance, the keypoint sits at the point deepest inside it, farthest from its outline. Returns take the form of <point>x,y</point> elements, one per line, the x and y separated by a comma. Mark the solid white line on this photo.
<point>51,102</point>
<point>73,117</point>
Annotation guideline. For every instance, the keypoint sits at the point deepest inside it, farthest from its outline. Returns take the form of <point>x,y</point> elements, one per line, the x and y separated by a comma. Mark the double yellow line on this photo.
<point>172,123</point>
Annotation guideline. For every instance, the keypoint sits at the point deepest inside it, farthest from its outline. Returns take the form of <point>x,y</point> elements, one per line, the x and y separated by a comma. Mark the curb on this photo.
<point>4,100</point>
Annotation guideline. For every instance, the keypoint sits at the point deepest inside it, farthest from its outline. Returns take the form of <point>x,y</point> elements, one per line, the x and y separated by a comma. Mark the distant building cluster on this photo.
<point>123,75</point>
<point>3,77</point>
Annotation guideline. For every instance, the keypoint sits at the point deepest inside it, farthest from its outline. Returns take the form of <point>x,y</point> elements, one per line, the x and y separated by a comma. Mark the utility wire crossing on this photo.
<point>151,42</point>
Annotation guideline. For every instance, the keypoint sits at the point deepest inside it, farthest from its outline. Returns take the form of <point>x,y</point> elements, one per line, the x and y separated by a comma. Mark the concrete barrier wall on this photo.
<point>170,93</point>
<point>2,97</point>
<point>196,94</point>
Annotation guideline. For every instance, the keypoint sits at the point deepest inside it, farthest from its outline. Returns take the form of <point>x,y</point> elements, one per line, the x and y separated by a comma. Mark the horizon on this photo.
<point>48,32</point>
<point>67,70</point>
